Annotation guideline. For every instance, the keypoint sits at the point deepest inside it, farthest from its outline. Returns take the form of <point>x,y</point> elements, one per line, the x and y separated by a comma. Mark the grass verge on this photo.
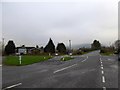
<point>66,58</point>
<point>26,60</point>
<point>107,53</point>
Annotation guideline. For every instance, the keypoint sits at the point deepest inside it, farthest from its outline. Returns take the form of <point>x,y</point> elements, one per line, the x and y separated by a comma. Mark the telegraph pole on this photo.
<point>69,46</point>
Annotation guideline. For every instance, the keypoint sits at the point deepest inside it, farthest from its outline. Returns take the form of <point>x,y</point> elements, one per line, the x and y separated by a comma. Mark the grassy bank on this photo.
<point>107,53</point>
<point>66,58</point>
<point>26,60</point>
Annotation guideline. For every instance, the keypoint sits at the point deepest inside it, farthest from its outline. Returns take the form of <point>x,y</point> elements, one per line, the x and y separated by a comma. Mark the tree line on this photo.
<point>50,47</point>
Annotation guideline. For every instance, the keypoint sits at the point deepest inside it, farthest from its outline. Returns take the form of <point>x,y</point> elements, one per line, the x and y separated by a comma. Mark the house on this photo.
<point>37,50</point>
<point>24,50</point>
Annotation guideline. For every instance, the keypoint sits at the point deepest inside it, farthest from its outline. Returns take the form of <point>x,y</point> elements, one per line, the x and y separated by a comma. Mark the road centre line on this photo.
<point>104,88</point>
<point>103,79</point>
<point>100,60</point>
<point>102,72</point>
<point>101,67</point>
<point>15,85</point>
<point>64,68</point>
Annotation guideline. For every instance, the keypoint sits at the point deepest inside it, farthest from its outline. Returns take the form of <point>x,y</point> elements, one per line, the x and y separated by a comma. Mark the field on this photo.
<point>25,60</point>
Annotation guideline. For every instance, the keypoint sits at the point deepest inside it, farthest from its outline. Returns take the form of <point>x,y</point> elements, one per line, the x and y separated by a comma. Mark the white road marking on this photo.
<point>64,68</point>
<point>101,67</point>
<point>103,79</point>
<point>84,60</point>
<point>102,72</point>
<point>0,65</point>
<point>100,60</point>
<point>13,86</point>
<point>104,88</point>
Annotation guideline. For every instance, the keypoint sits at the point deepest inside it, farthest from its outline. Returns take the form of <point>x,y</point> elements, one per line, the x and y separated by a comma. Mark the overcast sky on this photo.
<point>81,21</point>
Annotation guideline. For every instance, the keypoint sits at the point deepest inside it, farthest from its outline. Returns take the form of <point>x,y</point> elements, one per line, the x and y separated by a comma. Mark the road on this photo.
<point>86,71</point>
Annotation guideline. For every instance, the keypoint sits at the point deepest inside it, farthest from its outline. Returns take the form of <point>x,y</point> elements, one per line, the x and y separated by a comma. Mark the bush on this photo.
<point>107,50</point>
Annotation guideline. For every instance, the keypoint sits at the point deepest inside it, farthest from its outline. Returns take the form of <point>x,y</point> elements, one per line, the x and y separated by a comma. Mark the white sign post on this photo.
<point>20,59</point>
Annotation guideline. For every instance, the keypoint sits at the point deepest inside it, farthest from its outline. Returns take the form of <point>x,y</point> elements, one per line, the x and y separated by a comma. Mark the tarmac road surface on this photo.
<point>86,71</point>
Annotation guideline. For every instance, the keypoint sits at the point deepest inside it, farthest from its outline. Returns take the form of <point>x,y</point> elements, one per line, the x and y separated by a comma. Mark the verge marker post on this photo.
<point>20,59</point>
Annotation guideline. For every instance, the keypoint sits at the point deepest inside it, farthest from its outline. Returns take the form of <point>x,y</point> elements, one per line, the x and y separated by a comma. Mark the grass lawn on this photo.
<point>26,60</point>
<point>66,58</point>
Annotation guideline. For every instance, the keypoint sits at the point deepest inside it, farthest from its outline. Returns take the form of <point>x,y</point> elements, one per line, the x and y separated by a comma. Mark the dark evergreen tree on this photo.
<point>50,47</point>
<point>10,48</point>
<point>37,46</point>
<point>61,48</point>
<point>96,45</point>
